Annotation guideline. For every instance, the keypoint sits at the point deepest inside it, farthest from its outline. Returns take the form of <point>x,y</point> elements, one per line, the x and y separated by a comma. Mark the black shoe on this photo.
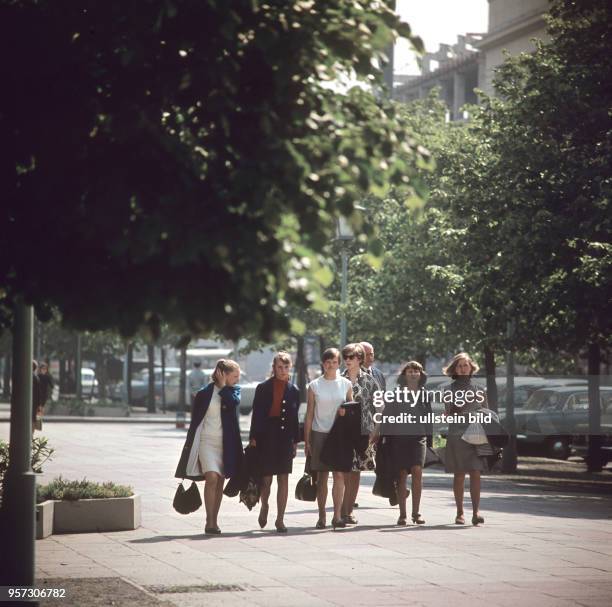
<point>417,519</point>
<point>280,528</point>
<point>320,524</point>
<point>477,519</point>
<point>338,524</point>
<point>212,530</point>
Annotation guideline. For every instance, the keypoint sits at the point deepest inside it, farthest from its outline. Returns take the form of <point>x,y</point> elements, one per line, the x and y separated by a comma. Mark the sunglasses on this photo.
<point>350,356</point>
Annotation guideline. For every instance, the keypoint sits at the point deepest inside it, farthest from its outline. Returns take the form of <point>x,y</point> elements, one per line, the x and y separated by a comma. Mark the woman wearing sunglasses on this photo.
<point>363,387</point>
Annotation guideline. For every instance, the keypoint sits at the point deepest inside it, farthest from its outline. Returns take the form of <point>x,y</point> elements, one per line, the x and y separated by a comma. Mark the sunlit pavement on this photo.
<point>536,548</point>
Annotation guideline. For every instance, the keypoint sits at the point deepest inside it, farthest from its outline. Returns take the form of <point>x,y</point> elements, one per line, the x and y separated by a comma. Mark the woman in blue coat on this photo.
<point>213,449</point>
<point>275,434</point>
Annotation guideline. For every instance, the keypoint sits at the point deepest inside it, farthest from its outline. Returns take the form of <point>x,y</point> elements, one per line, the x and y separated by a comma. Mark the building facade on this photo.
<point>457,70</point>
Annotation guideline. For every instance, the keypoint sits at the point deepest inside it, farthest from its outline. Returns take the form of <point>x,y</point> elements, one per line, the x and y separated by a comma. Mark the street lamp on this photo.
<point>345,234</point>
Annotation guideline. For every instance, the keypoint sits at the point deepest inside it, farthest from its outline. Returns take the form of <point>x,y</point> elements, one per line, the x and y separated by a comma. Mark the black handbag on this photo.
<point>306,488</point>
<point>187,501</point>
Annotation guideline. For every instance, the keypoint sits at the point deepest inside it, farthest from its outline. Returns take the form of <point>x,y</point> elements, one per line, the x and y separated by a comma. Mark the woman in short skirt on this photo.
<point>325,395</point>
<point>408,442</point>
<point>460,457</point>
<point>275,434</point>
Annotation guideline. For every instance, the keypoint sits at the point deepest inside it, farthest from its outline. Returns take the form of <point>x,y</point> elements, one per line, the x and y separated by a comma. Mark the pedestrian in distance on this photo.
<point>368,364</point>
<point>36,400</point>
<point>363,387</point>
<point>325,395</point>
<point>213,449</point>
<point>460,457</point>
<point>408,441</point>
<point>45,381</point>
<point>275,434</point>
<point>196,380</point>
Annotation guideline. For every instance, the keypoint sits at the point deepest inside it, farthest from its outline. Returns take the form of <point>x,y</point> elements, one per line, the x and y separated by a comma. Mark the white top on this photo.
<point>211,424</point>
<point>329,395</point>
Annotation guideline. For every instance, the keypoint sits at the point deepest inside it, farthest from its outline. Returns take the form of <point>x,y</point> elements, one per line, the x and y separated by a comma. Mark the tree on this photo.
<point>172,150</point>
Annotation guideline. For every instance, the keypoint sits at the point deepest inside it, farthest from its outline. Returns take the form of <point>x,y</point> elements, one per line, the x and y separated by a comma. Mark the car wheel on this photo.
<point>558,447</point>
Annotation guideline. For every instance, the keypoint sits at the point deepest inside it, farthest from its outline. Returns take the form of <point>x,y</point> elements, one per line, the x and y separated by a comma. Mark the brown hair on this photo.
<point>329,354</point>
<point>283,357</point>
<point>413,364</point>
<point>452,365</point>
<point>356,349</point>
<point>225,365</point>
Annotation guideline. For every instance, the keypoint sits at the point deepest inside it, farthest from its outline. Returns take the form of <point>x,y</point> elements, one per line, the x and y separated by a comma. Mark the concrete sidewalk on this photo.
<point>537,547</point>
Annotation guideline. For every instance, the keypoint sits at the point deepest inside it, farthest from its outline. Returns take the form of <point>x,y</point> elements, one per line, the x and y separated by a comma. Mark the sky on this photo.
<point>437,21</point>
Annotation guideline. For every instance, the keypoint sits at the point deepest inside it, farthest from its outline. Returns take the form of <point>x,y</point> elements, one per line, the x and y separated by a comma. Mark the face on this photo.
<point>232,377</point>
<point>282,370</point>
<point>43,368</point>
<point>412,376</point>
<point>463,367</point>
<point>352,362</point>
<point>330,366</point>
<point>369,355</point>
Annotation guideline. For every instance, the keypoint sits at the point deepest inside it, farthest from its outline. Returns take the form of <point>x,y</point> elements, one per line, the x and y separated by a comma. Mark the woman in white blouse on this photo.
<point>325,395</point>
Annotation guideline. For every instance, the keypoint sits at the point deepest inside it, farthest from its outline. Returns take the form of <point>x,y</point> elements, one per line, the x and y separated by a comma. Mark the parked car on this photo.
<point>89,383</point>
<point>552,416</point>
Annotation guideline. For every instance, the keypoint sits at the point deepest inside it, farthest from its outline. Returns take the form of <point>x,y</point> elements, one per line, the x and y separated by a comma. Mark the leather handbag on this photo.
<point>187,501</point>
<point>306,488</point>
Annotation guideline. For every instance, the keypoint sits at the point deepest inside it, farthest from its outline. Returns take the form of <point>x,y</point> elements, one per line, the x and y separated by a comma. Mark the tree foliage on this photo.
<point>184,160</point>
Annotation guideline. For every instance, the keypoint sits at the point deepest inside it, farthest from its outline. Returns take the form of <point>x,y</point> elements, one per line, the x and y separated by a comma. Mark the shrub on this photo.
<point>62,489</point>
<point>41,453</point>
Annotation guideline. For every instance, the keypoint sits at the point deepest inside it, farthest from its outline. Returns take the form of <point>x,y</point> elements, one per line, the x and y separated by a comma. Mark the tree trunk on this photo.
<point>300,367</point>
<point>594,459</point>
<point>183,380</point>
<point>489,358</point>
<point>101,375</point>
<point>151,367</point>
<point>163,378</point>
<point>6,380</point>
<point>128,385</point>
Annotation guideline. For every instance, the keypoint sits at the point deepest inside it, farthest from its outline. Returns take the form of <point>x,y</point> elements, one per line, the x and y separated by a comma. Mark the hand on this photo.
<point>219,378</point>
<point>253,442</point>
<point>374,437</point>
<point>341,411</point>
<point>307,448</point>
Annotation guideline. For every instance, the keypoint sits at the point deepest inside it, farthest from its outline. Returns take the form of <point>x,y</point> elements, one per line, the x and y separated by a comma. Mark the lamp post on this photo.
<point>344,234</point>
<point>509,456</point>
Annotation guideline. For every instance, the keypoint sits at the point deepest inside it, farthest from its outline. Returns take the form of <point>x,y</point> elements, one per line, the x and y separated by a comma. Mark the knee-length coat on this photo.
<point>188,466</point>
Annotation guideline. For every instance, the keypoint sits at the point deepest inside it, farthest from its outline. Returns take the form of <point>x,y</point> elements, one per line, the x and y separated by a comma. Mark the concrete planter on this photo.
<point>44,519</point>
<point>95,515</point>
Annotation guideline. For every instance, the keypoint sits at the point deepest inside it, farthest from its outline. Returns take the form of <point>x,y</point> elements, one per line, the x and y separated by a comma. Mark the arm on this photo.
<point>308,420</point>
<point>230,395</point>
<point>295,423</point>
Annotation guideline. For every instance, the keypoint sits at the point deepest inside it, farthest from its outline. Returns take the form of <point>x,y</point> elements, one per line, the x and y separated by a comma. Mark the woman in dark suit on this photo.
<point>213,449</point>
<point>275,434</point>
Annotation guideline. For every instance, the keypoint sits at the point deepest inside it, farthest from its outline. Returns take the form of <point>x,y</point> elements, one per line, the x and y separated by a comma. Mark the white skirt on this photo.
<point>211,454</point>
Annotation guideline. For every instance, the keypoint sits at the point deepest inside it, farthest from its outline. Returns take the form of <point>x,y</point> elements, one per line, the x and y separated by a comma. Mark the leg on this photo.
<point>338,493</point>
<point>458,484</point>
<point>351,488</point>
<point>402,493</point>
<point>219,496</point>
<point>282,481</point>
<point>264,494</point>
<point>322,493</point>
<point>417,487</point>
<point>210,497</point>
<point>475,490</point>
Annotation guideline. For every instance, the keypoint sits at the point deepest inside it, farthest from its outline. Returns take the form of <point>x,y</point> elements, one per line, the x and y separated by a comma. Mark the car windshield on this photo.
<point>545,400</point>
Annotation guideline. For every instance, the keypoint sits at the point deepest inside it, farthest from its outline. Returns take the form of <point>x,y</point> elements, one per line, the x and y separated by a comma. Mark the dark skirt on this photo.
<point>275,448</point>
<point>407,451</point>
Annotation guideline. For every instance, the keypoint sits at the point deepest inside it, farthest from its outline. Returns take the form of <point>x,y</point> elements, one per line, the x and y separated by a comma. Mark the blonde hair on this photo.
<point>225,365</point>
<point>452,365</point>
<point>283,357</point>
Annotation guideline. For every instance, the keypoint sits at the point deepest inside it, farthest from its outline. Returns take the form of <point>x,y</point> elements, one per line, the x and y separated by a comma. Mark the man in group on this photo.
<point>197,379</point>
<point>368,363</point>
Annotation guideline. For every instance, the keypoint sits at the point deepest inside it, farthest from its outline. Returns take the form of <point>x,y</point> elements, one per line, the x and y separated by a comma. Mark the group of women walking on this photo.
<point>340,436</point>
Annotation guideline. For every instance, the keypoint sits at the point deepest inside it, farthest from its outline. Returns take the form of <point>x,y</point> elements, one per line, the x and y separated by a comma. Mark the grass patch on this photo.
<point>62,489</point>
